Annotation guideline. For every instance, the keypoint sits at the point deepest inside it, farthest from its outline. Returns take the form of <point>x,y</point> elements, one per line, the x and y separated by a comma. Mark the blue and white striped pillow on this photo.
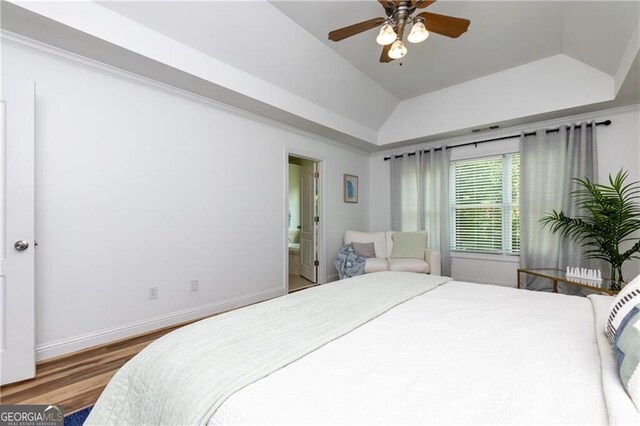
<point>626,347</point>
<point>624,302</point>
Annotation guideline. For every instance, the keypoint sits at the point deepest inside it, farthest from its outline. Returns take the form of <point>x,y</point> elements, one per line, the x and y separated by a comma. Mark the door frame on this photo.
<point>321,164</point>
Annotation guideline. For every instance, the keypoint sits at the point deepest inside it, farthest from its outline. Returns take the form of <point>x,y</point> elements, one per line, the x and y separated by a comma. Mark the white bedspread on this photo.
<point>460,354</point>
<point>183,377</point>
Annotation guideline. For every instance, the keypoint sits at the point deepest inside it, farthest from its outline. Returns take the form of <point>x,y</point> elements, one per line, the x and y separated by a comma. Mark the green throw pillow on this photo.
<point>409,244</point>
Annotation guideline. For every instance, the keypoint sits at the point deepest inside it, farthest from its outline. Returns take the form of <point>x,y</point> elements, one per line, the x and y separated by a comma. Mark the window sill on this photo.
<point>485,256</point>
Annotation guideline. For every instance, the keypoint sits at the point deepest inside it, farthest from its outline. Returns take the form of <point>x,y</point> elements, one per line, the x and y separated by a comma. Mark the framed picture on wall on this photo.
<point>350,188</point>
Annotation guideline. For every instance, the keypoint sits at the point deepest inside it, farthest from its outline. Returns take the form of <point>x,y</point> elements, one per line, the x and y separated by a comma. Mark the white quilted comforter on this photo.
<point>183,377</point>
<point>423,353</point>
<point>460,354</point>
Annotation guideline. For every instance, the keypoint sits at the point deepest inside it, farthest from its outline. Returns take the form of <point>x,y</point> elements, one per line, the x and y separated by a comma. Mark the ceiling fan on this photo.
<point>399,15</point>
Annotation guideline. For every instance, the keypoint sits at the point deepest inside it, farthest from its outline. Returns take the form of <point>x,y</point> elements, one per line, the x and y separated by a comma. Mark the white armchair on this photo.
<point>383,246</point>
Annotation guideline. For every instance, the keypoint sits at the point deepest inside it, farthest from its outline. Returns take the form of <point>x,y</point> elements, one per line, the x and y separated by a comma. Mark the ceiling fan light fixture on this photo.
<point>418,32</point>
<point>386,35</point>
<point>398,50</point>
<point>400,14</point>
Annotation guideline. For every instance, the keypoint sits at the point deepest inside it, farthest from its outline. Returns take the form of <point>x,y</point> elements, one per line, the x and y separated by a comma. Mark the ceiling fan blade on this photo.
<point>384,56</point>
<point>421,4</point>
<point>448,26</point>
<point>351,30</point>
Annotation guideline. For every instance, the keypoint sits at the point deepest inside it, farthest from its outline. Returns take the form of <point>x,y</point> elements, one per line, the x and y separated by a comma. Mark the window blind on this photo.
<point>484,204</point>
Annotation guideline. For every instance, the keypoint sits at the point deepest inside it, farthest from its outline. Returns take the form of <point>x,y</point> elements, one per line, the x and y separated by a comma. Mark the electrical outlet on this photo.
<point>154,292</point>
<point>195,285</point>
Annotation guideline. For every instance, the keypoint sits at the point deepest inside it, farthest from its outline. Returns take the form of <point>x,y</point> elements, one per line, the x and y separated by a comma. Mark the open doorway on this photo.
<point>303,222</point>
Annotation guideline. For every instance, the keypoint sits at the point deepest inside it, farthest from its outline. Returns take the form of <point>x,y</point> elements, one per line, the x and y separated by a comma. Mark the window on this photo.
<point>484,204</point>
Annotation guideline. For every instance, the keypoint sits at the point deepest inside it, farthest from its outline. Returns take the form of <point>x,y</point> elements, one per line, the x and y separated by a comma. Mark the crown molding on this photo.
<point>52,52</point>
<point>473,137</point>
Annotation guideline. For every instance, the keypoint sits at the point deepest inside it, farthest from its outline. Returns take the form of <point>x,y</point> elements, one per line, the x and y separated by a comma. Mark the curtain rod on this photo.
<point>602,123</point>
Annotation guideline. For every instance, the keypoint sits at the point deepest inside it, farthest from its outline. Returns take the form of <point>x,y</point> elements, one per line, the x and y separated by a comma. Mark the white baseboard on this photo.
<point>83,341</point>
<point>332,277</point>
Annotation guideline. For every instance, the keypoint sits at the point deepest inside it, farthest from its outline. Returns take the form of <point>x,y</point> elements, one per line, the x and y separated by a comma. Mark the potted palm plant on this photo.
<point>611,217</point>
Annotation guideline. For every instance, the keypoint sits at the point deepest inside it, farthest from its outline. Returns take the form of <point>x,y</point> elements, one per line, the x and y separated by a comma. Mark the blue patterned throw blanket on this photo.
<point>349,263</point>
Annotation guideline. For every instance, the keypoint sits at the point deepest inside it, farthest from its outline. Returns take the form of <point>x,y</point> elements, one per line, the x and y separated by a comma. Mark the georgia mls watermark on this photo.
<point>31,415</point>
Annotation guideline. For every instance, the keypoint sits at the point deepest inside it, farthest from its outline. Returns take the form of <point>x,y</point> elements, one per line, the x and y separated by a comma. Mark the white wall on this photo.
<point>618,147</point>
<point>552,84</point>
<point>112,38</point>
<point>139,186</point>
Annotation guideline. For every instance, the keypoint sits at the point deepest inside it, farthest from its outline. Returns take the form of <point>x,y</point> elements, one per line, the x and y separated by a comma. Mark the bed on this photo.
<point>390,347</point>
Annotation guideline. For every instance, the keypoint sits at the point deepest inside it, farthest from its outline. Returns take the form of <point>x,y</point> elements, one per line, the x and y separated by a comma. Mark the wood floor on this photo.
<point>296,282</point>
<point>77,380</point>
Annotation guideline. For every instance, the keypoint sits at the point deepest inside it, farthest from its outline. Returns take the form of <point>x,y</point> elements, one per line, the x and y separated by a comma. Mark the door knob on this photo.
<point>21,245</point>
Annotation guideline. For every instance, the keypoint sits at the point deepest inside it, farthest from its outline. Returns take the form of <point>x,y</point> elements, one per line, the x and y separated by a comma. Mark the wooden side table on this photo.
<point>559,275</point>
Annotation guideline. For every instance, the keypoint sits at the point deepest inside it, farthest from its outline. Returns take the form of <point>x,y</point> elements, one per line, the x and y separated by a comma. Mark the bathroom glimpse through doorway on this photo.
<point>303,218</point>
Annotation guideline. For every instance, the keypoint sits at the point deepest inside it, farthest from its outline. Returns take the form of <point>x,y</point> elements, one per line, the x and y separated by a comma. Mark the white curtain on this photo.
<point>548,164</point>
<point>420,198</point>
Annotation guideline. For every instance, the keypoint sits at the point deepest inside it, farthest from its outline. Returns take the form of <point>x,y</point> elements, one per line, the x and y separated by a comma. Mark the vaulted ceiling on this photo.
<point>502,35</point>
<point>518,61</point>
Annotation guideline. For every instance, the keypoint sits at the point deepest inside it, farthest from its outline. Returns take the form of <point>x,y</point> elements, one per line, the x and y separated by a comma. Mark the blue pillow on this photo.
<point>626,347</point>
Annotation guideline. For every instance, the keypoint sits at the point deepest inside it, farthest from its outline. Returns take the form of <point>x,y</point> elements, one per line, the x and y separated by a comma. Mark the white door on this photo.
<point>17,299</point>
<point>308,224</point>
